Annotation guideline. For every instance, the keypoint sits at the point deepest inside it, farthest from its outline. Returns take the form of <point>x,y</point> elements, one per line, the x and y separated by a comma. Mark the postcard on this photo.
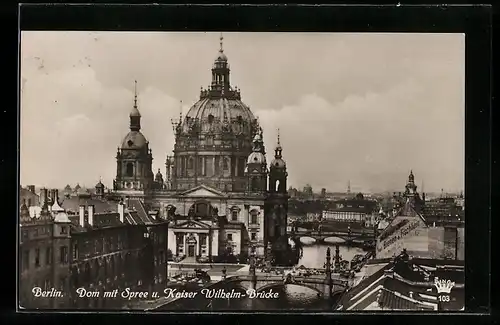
<point>241,171</point>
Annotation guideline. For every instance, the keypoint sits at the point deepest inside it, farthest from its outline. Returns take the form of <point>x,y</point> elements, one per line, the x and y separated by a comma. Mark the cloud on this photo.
<point>358,107</point>
<point>372,141</point>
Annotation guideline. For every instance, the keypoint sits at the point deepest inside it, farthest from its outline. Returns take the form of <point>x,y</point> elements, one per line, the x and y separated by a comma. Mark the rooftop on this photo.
<point>406,284</point>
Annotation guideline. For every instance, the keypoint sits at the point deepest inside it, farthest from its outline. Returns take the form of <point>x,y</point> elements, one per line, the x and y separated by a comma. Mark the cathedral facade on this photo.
<point>219,193</point>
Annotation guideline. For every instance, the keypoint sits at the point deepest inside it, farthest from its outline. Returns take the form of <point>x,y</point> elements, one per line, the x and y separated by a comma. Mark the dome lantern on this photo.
<point>220,86</point>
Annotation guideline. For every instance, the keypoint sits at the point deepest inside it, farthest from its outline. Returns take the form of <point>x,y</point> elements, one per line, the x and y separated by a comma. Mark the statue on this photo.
<point>191,212</point>
<point>224,272</point>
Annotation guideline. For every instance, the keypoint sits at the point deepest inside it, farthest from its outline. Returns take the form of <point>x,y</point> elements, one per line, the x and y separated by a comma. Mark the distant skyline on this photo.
<point>364,108</point>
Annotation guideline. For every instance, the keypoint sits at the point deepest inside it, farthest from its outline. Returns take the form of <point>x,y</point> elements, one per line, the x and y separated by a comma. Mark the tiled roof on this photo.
<point>403,286</point>
<point>111,219</point>
<point>133,218</point>
<point>101,220</point>
<point>394,301</point>
<point>138,207</point>
<point>72,204</point>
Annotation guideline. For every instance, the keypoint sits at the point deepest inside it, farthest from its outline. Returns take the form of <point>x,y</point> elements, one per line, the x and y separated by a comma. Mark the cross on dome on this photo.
<point>278,144</point>
<point>135,93</point>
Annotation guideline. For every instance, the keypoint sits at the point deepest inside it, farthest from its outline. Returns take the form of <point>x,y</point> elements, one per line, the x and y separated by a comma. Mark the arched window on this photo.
<point>202,209</point>
<point>234,214</point>
<point>225,164</point>
<point>190,163</point>
<point>130,169</point>
<point>255,184</point>
<point>254,217</point>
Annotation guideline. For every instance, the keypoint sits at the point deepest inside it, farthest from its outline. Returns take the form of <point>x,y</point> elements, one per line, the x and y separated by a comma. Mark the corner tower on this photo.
<point>276,209</point>
<point>134,159</point>
<point>256,169</point>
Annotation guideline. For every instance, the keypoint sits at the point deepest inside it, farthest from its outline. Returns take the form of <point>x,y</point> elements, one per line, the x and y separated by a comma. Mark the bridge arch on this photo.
<point>335,239</point>
<point>277,284</point>
<point>314,240</point>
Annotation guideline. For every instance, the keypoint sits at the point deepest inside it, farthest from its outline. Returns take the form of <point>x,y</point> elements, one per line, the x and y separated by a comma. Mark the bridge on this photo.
<point>326,285</point>
<point>263,283</point>
<point>346,236</point>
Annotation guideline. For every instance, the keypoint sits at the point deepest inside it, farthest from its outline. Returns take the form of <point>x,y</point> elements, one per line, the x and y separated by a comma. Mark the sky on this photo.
<point>363,108</point>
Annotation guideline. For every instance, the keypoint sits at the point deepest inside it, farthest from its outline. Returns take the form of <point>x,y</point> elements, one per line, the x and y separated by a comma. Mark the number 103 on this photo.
<point>444,298</point>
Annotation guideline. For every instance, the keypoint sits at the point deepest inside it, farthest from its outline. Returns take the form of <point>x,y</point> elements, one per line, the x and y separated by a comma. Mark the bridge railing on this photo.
<point>279,278</point>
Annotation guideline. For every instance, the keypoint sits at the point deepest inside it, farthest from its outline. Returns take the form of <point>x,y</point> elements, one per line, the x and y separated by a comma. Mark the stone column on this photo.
<point>197,246</point>
<point>213,165</point>
<point>184,248</point>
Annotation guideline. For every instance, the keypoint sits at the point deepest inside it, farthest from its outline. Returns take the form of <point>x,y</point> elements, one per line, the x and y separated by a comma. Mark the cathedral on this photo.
<point>219,193</point>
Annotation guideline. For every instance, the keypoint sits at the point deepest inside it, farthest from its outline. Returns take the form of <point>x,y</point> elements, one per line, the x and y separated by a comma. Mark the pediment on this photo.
<point>191,224</point>
<point>202,191</point>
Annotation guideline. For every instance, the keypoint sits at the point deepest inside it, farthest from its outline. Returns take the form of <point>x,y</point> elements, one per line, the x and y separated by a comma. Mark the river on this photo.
<point>291,297</point>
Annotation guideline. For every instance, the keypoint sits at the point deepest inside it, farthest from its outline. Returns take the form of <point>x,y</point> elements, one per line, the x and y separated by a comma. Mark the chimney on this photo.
<point>56,196</point>
<point>82,215</point>
<point>90,210</point>
<point>52,196</point>
<point>31,188</point>
<point>44,196</point>
<point>121,211</point>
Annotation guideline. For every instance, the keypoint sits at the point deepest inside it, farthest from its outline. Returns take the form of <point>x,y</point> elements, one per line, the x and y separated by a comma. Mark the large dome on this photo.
<point>214,139</point>
<point>134,140</point>
<point>213,114</point>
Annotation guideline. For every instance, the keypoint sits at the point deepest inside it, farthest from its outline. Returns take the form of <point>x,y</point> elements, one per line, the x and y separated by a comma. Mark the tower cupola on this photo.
<point>135,115</point>
<point>220,71</point>
<point>278,161</point>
